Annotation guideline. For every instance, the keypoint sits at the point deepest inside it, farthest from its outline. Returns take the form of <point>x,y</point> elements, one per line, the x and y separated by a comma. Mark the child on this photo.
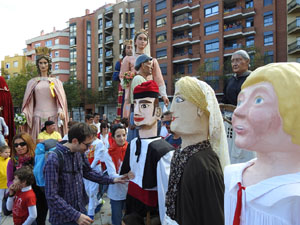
<point>4,158</point>
<point>21,199</point>
<point>3,129</point>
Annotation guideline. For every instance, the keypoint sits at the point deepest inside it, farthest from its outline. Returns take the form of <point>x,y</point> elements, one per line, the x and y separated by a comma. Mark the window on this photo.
<point>161,53</point>
<point>132,33</point>
<point>213,81</point>
<point>89,82</point>
<point>100,38</point>
<point>250,41</point>
<point>211,45</point>
<point>212,64</point>
<point>190,50</point>
<point>100,78</point>
<point>268,18</point>
<point>72,41</point>
<point>211,27</point>
<point>100,24</point>
<point>161,37</point>
<point>132,18</point>
<point>178,51</point>
<point>211,9</point>
<point>48,43</point>
<point>179,68</point>
<point>73,29</point>
<point>121,18</point>
<point>37,45</point>
<point>56,54</point>
<point>89,66</point>
<point>268,57</point>
<point>16,64</point>
<point>268,2</point>
<point>100,50</point>
<point>146,24</point>
<point>121,34</point>
<point>249,4</point>
<point>7,65</point>
<point>100,67</point>
<point>161,5</point>
<point>56,66</point>
<point>89,54</point>
<point>162,21</point>
<point>88,27</point>
<point>88,39</point>
<point>146,9</point>
<point>250,22</point>
<point>190,68</point>
<point>163,68</point>
<point>268,38</point>
<point>56,41</point>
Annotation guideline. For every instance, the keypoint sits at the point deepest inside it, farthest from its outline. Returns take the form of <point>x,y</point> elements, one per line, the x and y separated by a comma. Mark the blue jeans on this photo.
<point>116,211</point>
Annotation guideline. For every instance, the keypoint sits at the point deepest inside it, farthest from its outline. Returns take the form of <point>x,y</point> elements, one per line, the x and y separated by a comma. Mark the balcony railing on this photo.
<point>233,27</point>
<point>109,54</point>
<point>231,9</point>
<point>294,47</point>
<point>189,18</point>
<point>109,39</point>
<point>234,46</point>
<point>179,2</point>
<point>293,4</point>
<point>181,37</point>
<point>109,9</point>
<point>182,53</point>
<point>294,25</point>
<point>108,24</point>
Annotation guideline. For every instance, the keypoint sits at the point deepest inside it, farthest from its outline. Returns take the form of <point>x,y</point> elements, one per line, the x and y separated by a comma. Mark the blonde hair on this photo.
<point>285,79</point>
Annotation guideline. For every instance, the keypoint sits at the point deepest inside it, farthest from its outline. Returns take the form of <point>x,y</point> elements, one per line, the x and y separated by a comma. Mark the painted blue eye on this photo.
<point>259,100</point>
<point>178,99</point>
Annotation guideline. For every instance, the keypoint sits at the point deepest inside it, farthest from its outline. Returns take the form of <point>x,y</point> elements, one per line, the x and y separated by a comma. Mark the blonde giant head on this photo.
<point>203,96</point>
<point>285,79</point>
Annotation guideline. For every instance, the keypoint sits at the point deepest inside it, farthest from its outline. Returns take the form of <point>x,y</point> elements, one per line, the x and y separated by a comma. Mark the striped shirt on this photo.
<point>64,189</point>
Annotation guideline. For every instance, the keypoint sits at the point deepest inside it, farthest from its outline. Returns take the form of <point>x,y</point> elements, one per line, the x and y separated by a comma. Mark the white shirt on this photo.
<point>274,201</point>
<point>115,191</point>
<point>98,126</point>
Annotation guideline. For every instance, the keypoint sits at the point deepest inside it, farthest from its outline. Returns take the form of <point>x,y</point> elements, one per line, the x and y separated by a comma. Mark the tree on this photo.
<point>73,89</point>
<point>17,84</point>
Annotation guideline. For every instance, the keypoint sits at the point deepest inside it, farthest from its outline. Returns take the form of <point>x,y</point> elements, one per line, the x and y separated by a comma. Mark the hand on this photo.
<point>61,115</point>
<point>131,175</point>
<point>166,100</point>
<point>84,220</point>
<point>123,179</point>
<point>13,188</point>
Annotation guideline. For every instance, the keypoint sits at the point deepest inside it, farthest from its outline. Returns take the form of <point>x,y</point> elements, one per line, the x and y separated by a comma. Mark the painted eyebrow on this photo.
<point>144,101</point>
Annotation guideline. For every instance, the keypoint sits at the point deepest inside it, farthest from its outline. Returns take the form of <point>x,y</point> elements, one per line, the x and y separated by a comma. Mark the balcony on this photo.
<point>108,69</point>
<point>109,10</point>
<point>233,32</point>
<point>248,31</point>
<point>185,24</point>
<point>294,48</point>
<point>109,40</point>
<point>184,40</point>
<point>109,54</point>
<point>238,13</point>
<point>185,57</point>
<point>228,50</point>
<point>108,25</point>
<point>294,27</point>
<point>184,6</point>
<point>294,6</point>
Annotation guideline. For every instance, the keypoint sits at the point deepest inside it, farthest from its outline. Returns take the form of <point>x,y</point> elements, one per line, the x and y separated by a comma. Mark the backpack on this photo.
<point>41,152</point>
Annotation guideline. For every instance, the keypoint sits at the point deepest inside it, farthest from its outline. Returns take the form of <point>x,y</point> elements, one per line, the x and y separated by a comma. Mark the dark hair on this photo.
<point>138,34</point>
<point>3,148</point>
<point>116,127</point>
<point>167,113</point>
<point>88,116</point>
<point>124,51</point>
<point>38,58</point>
<point>29,141</point>
<point>96,114</point>
<point>25,174</point>
<point>125,121</point>
<point>80,131</point>
<point>103,125</point>
<point>71,123</point>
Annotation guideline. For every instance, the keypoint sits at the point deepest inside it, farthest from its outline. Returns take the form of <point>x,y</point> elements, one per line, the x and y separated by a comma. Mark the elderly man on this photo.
<point>48,132</point>
<point>240,64</point>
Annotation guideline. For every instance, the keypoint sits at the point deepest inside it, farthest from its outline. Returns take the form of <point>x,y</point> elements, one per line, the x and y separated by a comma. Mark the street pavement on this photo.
<point>101,218</point>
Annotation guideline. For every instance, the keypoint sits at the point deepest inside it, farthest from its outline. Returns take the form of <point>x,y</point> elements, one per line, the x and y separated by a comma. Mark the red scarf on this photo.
<point>117,154</point>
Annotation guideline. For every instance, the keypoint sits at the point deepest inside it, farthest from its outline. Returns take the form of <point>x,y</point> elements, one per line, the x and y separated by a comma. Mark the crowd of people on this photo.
<point>177,166</point>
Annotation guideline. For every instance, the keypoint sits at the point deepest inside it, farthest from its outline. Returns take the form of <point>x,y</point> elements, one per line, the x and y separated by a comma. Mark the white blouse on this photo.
<point>274,201</point>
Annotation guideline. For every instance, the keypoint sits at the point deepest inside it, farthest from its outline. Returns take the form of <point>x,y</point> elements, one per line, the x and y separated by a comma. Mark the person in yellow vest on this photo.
<point>48,132</point>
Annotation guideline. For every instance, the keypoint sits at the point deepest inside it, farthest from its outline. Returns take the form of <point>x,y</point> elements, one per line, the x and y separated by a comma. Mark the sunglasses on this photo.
<point>22,144</point>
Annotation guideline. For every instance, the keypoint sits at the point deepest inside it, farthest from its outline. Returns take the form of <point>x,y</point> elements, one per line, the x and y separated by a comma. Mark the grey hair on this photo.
<point>242,53</point>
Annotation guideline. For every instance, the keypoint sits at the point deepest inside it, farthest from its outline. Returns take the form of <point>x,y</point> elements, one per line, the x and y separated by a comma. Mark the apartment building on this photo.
<point>96,42</point>
<point>58,42</point>
<point>191,37</point>
<point>293,30</point>
<point>12,66</point>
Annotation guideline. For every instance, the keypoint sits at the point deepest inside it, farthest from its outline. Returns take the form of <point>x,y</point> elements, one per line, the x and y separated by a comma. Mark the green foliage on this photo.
<point>17,84</point>
<point>73,89</point>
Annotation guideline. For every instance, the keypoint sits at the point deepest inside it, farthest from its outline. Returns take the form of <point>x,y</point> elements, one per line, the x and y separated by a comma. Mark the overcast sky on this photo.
<point>21,20</point>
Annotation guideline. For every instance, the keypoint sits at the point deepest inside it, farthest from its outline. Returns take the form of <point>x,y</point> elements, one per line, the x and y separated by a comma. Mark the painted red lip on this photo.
<point>138,119</point>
